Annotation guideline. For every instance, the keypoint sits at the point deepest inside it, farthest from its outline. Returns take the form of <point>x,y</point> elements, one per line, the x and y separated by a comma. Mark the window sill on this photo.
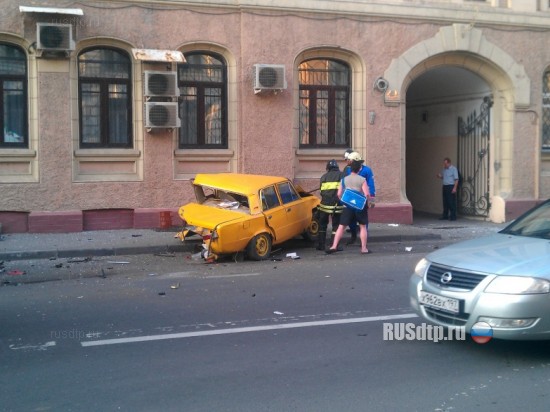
<point>79,153</point>
<point>17,153</point>
<point>107,165</point>
<point>204,154</point>
<point>321,154</point>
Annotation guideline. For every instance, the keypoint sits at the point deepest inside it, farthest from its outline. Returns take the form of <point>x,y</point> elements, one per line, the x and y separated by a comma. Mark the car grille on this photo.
<point>460,279</point>
<point>447,318</point>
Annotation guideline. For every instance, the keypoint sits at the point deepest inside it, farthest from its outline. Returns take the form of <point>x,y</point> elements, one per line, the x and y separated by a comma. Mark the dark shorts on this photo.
<point>349,215</point>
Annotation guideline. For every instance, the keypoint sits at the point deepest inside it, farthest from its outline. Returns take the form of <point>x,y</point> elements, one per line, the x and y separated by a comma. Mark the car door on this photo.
<point>297,215</point>
<point>274,212</point>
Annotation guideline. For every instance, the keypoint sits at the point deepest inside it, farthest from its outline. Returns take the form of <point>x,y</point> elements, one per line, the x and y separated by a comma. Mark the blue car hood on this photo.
<point>498,254</point>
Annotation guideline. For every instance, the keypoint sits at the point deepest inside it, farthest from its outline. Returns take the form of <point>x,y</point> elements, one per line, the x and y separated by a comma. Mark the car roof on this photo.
<point>237,182</point>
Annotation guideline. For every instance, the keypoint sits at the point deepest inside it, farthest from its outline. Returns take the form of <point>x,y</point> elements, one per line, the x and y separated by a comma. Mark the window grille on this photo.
<point>13,97</point>
<point>203,102</point>
<point>324,103</point>
<point>546,112</point>
<point>105,99</point>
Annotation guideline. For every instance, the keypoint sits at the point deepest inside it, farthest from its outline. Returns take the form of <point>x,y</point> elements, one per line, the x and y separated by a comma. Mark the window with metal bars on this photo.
<point>324,103</point>
<point>546,111</point>
<point>203,101</point>
<point>105,99</point>
<point>13,97</point>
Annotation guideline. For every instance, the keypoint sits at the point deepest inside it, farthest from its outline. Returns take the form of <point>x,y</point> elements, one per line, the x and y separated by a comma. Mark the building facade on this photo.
<point>111,108</point>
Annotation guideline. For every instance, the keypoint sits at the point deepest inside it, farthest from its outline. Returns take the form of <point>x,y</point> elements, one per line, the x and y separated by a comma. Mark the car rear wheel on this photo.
<point>259,247</point>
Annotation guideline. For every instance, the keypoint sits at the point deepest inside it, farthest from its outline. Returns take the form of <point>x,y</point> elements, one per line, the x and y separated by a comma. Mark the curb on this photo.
<point>188,246</point>
<point>74,253</point>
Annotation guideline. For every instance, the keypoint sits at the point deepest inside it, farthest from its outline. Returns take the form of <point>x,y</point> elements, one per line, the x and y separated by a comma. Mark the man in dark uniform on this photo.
<point>330,205</point>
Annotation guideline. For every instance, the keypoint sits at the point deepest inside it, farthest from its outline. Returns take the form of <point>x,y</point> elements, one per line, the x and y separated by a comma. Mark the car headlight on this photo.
<point>518,285</point>
<point>421,267</point>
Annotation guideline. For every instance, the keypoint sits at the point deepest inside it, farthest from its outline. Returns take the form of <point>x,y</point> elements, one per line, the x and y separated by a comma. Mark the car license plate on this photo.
<point>439,302</point>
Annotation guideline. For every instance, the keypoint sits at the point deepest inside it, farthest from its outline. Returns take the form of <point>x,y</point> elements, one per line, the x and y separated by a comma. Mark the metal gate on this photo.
<point>473,161</point>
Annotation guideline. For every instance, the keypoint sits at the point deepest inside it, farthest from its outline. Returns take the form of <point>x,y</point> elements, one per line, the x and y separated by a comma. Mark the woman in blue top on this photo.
<point>358,183</point>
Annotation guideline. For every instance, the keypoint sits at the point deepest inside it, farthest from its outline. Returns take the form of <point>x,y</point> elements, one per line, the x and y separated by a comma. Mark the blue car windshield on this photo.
<point>534,223</point>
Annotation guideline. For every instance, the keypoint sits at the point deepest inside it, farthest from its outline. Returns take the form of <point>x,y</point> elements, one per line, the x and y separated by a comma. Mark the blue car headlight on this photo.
<point>421,267</point>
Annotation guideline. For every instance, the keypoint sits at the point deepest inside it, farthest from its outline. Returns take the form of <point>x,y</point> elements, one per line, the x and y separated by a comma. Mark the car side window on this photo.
<point>287,192</point>
<point>269,198</point>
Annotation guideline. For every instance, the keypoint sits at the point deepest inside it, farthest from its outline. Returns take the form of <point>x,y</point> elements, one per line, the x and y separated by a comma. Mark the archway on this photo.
<point>464,47</point>
<point>435,101</point>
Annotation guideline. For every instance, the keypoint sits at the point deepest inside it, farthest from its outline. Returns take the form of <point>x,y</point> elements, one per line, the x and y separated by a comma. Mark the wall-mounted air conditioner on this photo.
<point>54,37</point>
<point>269,77</point>
<point>161,115</point>
<point>161,84</point>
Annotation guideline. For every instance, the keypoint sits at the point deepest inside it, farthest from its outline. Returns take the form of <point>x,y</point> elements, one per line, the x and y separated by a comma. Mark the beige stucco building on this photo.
<point>268,87</point>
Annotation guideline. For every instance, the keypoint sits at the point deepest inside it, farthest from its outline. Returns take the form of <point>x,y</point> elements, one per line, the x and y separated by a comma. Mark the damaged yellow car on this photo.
<point>236,213</point>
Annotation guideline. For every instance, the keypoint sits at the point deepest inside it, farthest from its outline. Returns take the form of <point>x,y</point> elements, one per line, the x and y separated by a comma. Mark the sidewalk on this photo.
<point>26,246</point>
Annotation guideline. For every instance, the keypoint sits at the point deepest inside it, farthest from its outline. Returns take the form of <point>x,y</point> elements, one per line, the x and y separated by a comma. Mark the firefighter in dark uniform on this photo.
<point>330,204</point>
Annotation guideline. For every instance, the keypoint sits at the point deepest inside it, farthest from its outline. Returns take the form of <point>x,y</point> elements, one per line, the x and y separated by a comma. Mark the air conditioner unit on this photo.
<point>161,115</point>
<point>161,84</point>
<point>269,77</point>
<point>54,37</point>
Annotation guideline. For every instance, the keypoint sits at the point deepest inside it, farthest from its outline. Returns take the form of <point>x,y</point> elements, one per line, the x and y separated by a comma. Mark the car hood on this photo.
<point>498,254</point>
<point>209,217</point>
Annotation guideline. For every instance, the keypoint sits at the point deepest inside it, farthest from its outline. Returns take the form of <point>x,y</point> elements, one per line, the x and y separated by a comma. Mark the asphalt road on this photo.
<point>167,333</point>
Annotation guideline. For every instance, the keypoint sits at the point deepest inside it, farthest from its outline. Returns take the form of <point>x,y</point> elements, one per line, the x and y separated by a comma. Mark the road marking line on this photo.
<point>177,275</point>
<point>244,330</point>
<point>44,346</point>
<point>236,275</point>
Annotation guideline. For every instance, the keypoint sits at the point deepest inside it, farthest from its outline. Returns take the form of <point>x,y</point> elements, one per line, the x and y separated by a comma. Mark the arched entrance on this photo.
<point>447,117</point>
<point>457,56</point>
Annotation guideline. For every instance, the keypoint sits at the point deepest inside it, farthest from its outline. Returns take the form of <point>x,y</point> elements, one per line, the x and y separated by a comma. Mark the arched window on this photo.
<point>13,97</point>
<point>105,98</point>
<point>546,111</point>
<point>324,103</point>
<point>203,101</point>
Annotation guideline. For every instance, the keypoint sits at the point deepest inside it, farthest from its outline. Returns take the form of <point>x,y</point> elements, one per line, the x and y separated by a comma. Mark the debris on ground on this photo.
<point>16,272</point>
<point>165,254</point>
<point>238,257</point>
<point>79,260</point>
<point>293,255</point>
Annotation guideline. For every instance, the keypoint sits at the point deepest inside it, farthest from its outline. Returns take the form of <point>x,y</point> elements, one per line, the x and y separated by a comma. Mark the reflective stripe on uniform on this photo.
<point>329,185</point>
<point>330,209</point>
